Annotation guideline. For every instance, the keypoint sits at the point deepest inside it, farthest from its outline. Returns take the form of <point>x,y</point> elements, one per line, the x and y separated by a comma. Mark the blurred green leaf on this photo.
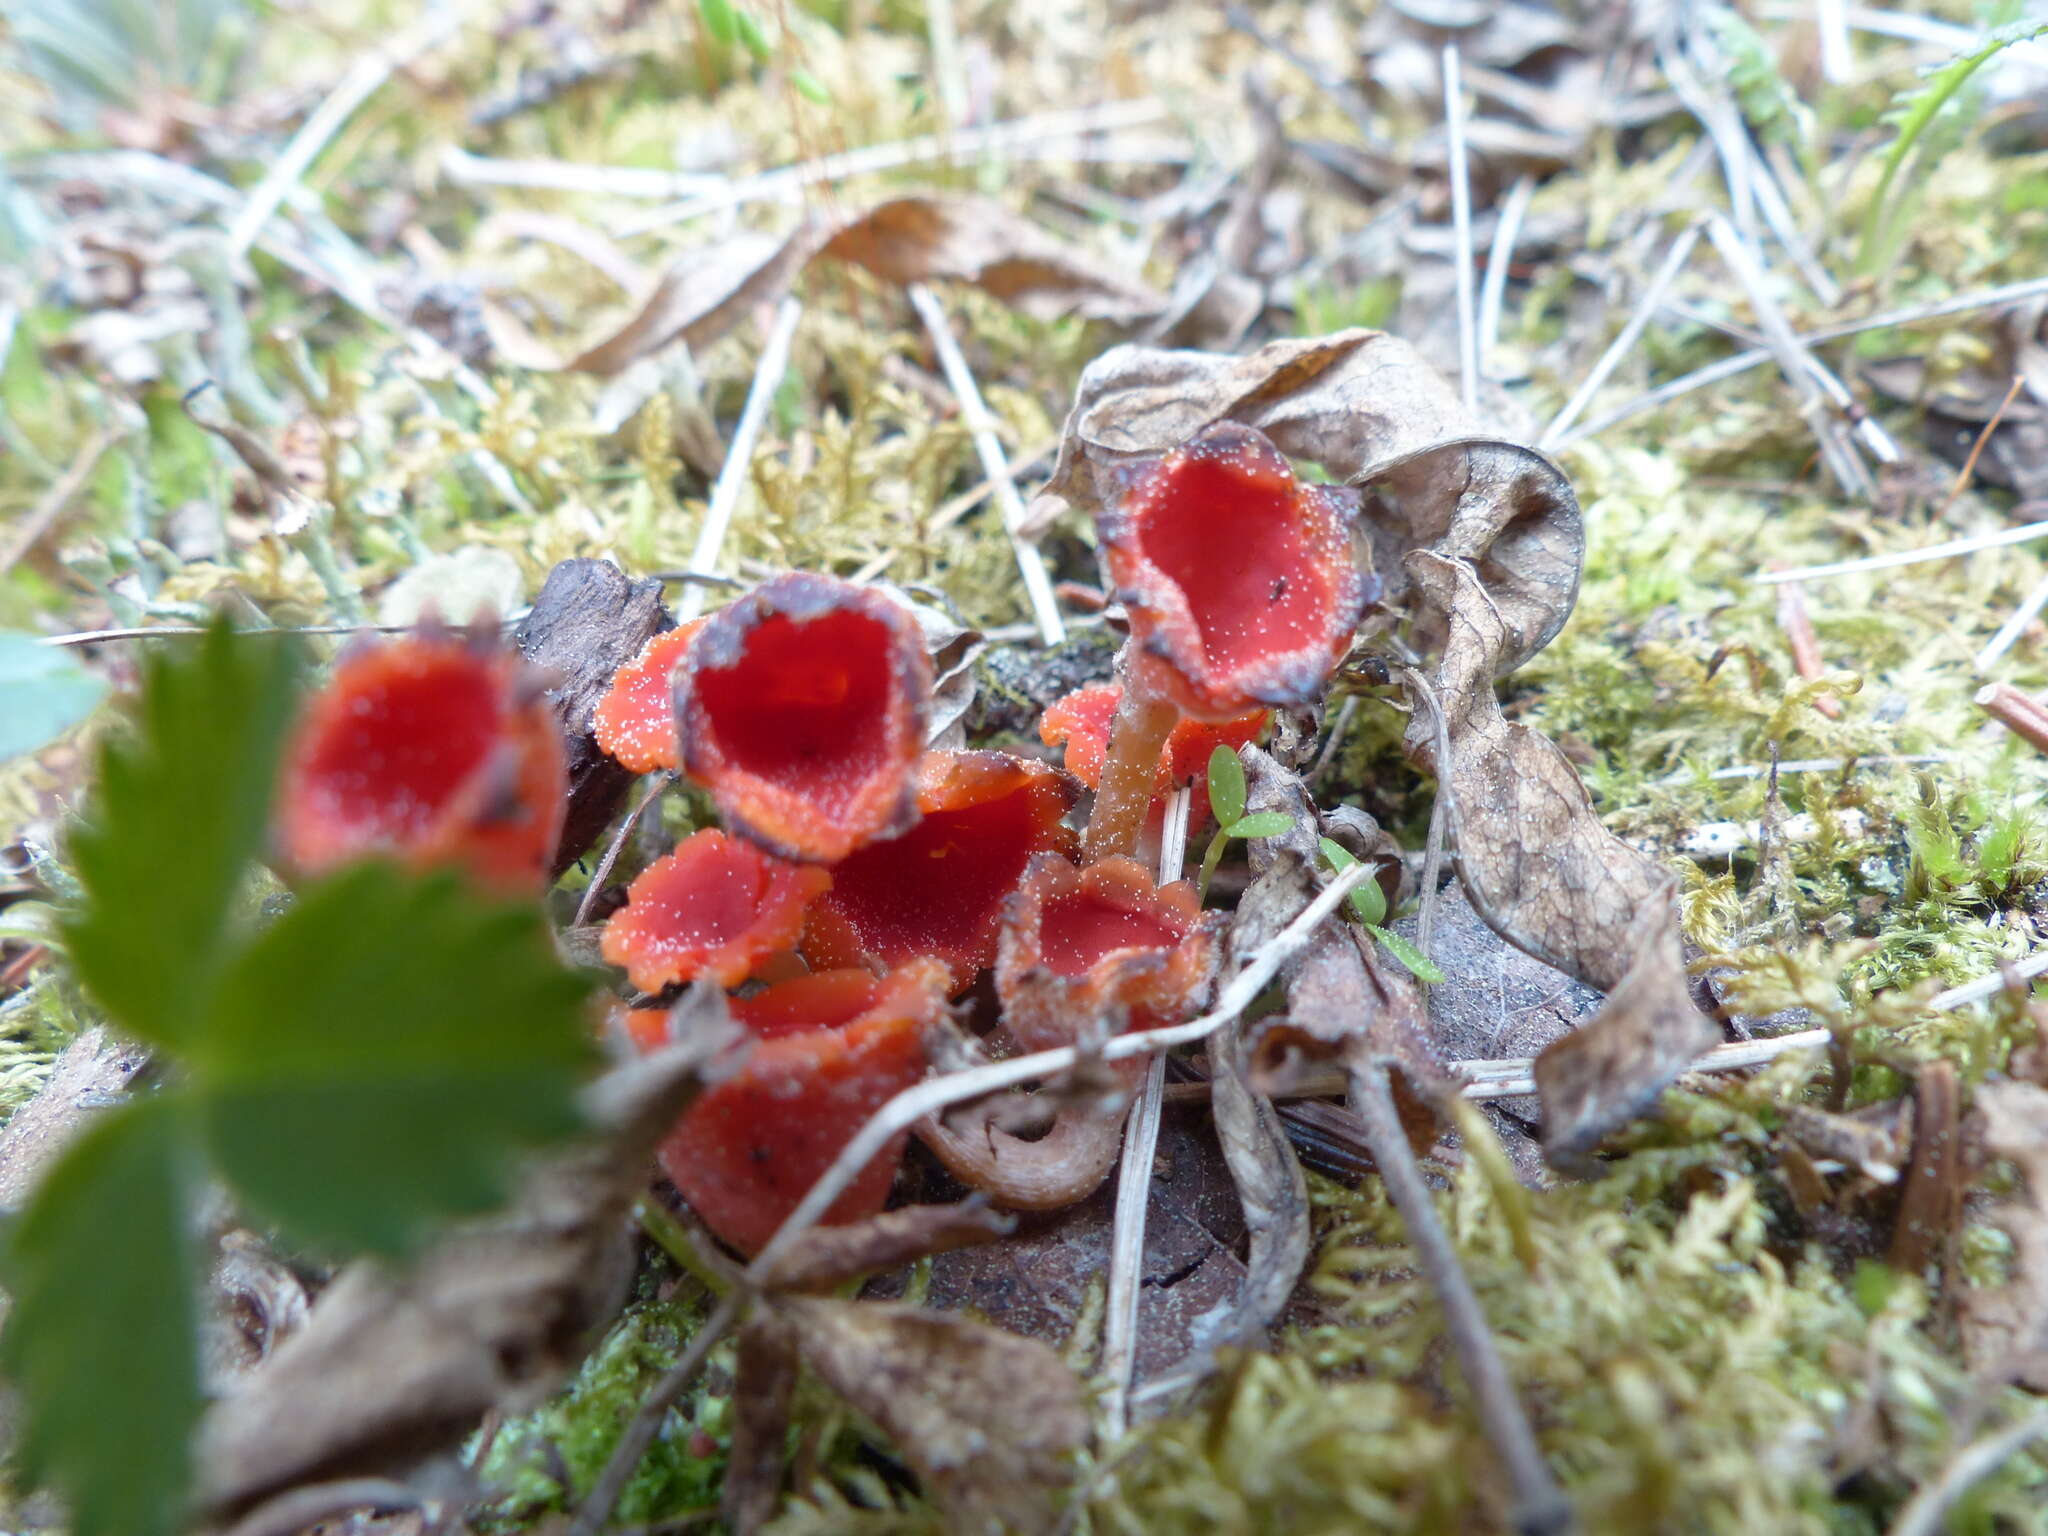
<point>101,1340</point>
<point>180,811</point>
<point>44,691</point>
<point>810,87</point>
<point>1265,824</point>
<point>720,21</point>
<point>1425,969</point>
<point>378,1053</point>
<point>1226,785</point>
<point>751,35</point>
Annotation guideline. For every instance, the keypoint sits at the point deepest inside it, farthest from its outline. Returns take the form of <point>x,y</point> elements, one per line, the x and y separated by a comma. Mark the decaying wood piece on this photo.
<point>395,1366</point>
<point>589,620</point>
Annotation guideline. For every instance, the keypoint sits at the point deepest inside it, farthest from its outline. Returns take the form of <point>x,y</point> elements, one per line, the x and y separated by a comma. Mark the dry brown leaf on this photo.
<point>1543,872</point>
<point>989,1421</point>
<point>394,1367</point>
<point>705,292</point>
<point>2005,1328</point>
<point>1369,409</point>
<point>764,1382</point>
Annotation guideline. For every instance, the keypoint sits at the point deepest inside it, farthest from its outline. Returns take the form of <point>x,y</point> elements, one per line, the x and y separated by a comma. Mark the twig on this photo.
<point>1804,643</point>
<point>944,33</point>
<point>1493,292</point>
<point>1922,1514</point>
<point>1515,1077</point>
<point>2020,713</point>
<point>1037,585</point>
<point>302,1508</point>
<point>595,1512</point>
<point>739,458</point>
<point>1969,469</point>
<point>914,1103</point>
<point>56,501</point>
<point>1836,61</point>
<point>1989,986</point>
<point>2010,631</point>
<point>1461,221</point>
<point>1742,362</point>
<point>1971,545</point>
<point>1667,272</point>
<point>357,86</point>
<point>1539,1504</point>
<point>1806,765</point>
<point>611,852</point>
<point>1770,202</point>
<point>468,170</point>
<point>1793,359</point>
<point>1022,136</point>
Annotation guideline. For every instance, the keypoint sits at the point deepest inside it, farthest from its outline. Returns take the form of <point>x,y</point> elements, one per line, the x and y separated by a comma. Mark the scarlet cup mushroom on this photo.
<point>1084,952</point>
<point>717,906</point>
<point>1242,593</point>
<point>802,709</point>
<point>636,719</point>
<point>437,748</point>
<point>1080,722</point>
<point>829,1050</point>
<point>939,889</point>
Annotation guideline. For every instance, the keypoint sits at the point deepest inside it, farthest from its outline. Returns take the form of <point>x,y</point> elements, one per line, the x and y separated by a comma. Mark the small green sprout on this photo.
<point>1226,799</point>
<point>1370,903</point>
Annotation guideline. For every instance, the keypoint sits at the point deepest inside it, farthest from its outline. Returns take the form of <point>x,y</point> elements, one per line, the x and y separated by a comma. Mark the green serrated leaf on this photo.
<point>180,812</point>
<point>101,1338</point>
<point>1226,786</point>
<point>1425,969</point>
<point>720,21</point>
<point>43,693</point>
<point>1264,824</point>
<point>377,1055</point>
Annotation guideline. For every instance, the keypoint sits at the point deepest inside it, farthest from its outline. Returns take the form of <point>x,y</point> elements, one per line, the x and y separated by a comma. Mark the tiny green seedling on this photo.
<point>1370,903</point>
<point>1226,799</point>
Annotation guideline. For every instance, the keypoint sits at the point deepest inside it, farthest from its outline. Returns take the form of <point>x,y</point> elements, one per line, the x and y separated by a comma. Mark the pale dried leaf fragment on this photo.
<point>2005,1327</point>
<point>1545,875</point>
<point>989,1421</point>
<point>1373,413</point>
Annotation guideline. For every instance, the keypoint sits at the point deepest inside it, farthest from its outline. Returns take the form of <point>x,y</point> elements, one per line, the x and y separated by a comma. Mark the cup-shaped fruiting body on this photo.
<point>1100,949</point>
<point>437,748</point>
<point>829,1049</point>
<point>939,889</point>
<point>1238,578</point>
<point>718,906</point>
<point>1081,720</point>
<point>636,719</point>
<point>802,708</point>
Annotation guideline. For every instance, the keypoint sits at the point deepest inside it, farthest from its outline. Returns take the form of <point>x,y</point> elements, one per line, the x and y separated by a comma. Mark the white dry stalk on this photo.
<point>944,31</point>
<point>1993,539</point>
<point>1515,1077</point>
<point>1794,361</point>
<point>1047,135</point>
<point>739,458</point>
<point>1461,220</point>
<point>1770,202</point>
<point>995,464</point>
<point>1986,987</point>
<point>1806,765</point>
<point>1493,292</point>
<point>914,1103</point>
<point>1867,429</point>
<point>1924,1514</point>
<point>2010,631</point>
<point>468,170</point>
<point>1134,1173</point>
<point>362,82</point>
<point>1653,296</point>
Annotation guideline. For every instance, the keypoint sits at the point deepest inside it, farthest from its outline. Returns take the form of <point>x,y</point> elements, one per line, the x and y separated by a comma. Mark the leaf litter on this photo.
<point>1477,546</point>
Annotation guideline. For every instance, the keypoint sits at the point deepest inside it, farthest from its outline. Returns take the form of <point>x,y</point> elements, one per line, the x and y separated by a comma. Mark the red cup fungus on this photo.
<point>829,1049</point>
<point>717,906</point>
<point>636,719</point>
<point>1241,590</point>
<point>939,889</point>
<point>803,708</point>
<point>434,749</point>
<point>1081,720</point>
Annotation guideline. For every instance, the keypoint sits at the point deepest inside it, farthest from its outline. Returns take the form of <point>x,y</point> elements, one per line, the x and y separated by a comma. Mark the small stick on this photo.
<point>362,82</point>
<point>1539,1504</point>
<point>2018,712</point>
<point>468,170</point>
<point>994,464</point>
<point>1971,545</point>
<point>1836,61</point>
<point>921,1099</point>
<point>1969,469</point>
<point>2010,631</point>
<point>944,33</point>
<point>1807,765</point>
<point>596,1510</point>
<point>1667,273</point>
<point>1922,1514</point>
<point>1493,292</point>
<point>1461,220</point>
<point>56,501</point>
<point>611,853</point>
<point>1805,644</point>
<point>739,458</point>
